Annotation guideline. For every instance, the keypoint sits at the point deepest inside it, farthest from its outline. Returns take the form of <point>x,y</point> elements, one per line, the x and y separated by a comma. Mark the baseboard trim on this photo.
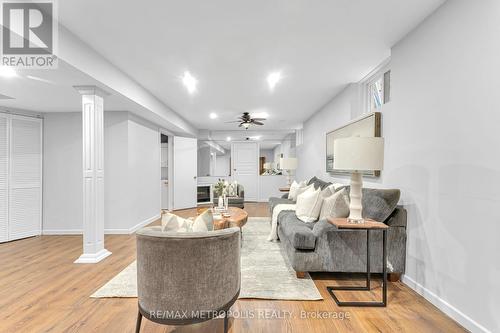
<point>444,306</point>
<point>52,232</point>
<point>143,223</point>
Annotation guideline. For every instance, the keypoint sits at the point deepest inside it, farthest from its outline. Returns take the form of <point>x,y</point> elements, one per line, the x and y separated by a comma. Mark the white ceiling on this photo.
<point>52,91</point>
<point>267,139</point>
<point>231,46</point>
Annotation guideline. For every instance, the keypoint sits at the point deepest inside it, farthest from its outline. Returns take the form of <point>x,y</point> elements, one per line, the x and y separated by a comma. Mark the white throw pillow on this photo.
<point>328,191</point>
<point>309,205</point>
<point>204,222</point>
<point>292,194</point>
<point>174,223</point>
<point>336,205</point>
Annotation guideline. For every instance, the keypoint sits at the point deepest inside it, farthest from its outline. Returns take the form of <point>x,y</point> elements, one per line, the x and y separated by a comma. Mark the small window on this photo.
<point>378,90</point>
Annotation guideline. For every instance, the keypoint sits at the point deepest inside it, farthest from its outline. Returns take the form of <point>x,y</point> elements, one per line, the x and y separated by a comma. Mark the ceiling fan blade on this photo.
<point>257,122</point>
<point>240,125</point>
<point>259,119</point>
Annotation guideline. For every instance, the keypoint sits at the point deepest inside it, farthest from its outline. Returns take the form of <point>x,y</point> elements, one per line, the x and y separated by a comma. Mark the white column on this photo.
<point>93,174</point>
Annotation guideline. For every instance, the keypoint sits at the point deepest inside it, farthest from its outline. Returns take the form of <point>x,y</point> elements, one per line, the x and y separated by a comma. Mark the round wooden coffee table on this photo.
<point>238,218</point>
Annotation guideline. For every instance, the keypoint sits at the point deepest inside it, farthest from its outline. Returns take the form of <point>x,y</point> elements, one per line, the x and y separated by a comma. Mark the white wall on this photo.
<point>223,165</point>
<point>132,173</point>
<point>204,161</point>
<point>287,148</point>
<point>268,154</point>
<point>62,172</point>
<point>441,151</point>
<point>115,171</point>
<point>269,187</point>
<point>144,171</point>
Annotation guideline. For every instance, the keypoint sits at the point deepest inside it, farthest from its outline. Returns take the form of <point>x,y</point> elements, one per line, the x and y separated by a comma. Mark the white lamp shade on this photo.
<point>268,165</point>
<point>358,153</point>
<point>288,163</point>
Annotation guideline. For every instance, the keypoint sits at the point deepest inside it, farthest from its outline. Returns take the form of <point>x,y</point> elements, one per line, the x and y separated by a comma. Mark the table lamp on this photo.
<point>358,154</point>
<point>289,164</point>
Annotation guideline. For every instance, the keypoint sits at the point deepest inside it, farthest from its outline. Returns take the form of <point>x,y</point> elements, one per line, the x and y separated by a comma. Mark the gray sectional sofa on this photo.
<point>321,247</point>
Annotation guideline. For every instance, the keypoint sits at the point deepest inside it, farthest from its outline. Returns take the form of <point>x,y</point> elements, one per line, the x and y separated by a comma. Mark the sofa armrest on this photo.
<point>284,196</point>
<point>397,218</point>
<point>323,226</point>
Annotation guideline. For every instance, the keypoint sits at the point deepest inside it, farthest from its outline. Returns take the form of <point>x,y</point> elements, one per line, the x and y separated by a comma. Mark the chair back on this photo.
<point>187,273</point>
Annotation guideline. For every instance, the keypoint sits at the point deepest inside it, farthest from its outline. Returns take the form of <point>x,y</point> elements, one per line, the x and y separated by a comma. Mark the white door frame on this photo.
<point>233,176</point>
<point>170,166</point>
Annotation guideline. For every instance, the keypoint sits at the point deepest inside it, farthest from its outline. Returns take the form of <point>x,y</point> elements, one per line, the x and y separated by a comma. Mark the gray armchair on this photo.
<point>238,201</point>
<point>187,278</point>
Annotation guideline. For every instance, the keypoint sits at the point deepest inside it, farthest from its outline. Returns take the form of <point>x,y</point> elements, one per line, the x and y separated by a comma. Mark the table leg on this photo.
<point>367,287</point>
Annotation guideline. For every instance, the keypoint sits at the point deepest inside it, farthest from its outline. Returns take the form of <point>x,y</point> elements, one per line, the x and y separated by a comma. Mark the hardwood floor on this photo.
<point>41,290</point>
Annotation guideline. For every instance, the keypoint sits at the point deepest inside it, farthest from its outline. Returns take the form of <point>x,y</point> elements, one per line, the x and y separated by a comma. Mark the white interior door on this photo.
<point>4,178</point>
<point>185,154</point>
<point>25,181</point>
<point>245,167</point>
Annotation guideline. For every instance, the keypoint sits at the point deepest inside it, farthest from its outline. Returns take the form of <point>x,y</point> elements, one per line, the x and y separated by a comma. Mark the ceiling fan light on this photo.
<point>246,125</point>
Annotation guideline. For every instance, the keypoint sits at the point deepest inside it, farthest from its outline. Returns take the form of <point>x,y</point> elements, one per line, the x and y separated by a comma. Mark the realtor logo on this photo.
<point>29,34</point>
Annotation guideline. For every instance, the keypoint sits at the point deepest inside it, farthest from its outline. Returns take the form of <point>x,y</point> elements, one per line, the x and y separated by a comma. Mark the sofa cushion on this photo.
<point>378,204</point>
<point>309,205</point>
<point>203,222</point>
<point>292,194</point>
<point>173,223</point>
<point>298,233</point>
<point>336,205</point>
<point>318,183</point>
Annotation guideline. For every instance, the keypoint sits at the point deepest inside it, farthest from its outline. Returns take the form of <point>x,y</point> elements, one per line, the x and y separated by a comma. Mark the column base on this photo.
<point>92,258</point>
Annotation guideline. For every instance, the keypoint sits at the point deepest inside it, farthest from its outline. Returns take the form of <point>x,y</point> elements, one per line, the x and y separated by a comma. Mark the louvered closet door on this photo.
<point>4,177</point>
<point>25,177</point>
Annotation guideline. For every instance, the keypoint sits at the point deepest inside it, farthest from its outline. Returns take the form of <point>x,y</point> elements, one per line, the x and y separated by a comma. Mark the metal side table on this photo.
<point>368,225</point>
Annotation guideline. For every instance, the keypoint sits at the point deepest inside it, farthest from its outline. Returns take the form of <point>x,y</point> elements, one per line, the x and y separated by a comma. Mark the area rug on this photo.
<point>265,271</point>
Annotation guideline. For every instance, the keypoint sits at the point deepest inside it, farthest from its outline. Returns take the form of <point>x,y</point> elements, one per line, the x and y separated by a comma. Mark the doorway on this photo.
<point>166,171</point>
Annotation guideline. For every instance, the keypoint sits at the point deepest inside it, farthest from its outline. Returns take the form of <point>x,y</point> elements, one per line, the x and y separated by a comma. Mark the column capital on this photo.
<point>91,90</point>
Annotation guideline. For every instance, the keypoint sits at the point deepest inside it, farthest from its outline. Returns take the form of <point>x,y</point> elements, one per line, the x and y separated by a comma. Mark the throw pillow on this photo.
<point>336,205</point>
<point>309,205</point>
<point>204,222</point>
<point>174,223</point>
<point>292,194</point>
<point>232,189</point>
<point>339,186</point>
<point>328,191</point>
<point>304,189</point>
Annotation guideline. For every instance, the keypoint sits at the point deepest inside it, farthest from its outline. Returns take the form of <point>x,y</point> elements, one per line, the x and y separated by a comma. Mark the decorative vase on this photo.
<point>220,202</point>
<point>226,202</point>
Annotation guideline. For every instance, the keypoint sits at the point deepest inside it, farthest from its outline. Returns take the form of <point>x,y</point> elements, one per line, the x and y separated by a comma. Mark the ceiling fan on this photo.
<point>246,121</point>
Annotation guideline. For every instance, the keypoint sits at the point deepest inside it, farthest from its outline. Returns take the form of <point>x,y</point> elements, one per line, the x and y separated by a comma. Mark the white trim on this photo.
<point>106,231</point>
<point>51,232</point>
<point>382,67</point>
<point>132,229</point>
<point>444,306</point>
<point>92,258</point>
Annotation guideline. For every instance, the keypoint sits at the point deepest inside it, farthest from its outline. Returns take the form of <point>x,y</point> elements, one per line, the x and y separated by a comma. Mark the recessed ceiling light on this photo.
<point>228,138</point>
<point>7,72</point>
<point>273,79</point>
<point>190,82</point>
<point>213,115</point>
